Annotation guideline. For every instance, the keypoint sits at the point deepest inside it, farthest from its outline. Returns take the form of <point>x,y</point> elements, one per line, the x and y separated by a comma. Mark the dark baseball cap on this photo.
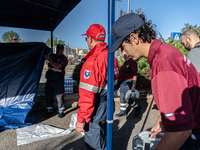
<point>96,31</point>
<point>60,47</point>
<point>124,26</point>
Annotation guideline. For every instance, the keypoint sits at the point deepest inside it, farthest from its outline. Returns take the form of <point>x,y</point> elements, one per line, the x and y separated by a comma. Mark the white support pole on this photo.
<point>117,7</point>
<point>128,7</point>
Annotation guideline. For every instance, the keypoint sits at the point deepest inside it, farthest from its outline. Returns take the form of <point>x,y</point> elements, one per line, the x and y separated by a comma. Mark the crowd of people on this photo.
<point>175,82</point>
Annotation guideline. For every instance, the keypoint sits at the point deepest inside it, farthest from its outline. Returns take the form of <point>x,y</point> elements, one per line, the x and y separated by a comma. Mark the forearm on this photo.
<point>134,80</point>
<point>157,129</point>
<point>134,83</point>
<point>173,140</point>
<point>55,65</point>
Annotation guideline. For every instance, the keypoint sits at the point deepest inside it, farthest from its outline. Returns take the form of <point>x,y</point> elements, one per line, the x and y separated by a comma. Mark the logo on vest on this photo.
<point>87,74</point>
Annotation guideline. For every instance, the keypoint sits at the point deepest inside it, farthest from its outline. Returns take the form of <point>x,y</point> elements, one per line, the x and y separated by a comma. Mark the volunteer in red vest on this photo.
<point>55,81</point>
<point>175,82</point>
<point>92,103</point>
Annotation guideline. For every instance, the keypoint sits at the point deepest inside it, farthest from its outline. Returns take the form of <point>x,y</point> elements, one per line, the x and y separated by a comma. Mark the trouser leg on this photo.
<point>49,103</point>
<point>133,103</point>
<point>60,104</point>
<point>95,137</point>
<point>122,104</point>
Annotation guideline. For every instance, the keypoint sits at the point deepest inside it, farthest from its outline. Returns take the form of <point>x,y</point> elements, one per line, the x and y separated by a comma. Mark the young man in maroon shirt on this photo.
<point>128,80</point>
<point>175,82</point>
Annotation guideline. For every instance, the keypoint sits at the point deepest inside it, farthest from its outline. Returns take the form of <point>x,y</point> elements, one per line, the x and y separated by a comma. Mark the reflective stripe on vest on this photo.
<point>93,88</point>
<point>54,69</point>
<point>88,87</point>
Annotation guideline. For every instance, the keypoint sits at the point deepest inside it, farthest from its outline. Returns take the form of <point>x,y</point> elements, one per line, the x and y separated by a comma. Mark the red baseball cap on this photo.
<point>97,32</point>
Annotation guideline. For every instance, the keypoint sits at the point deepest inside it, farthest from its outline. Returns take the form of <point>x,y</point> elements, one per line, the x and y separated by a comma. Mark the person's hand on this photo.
<point>46,57</point>
<point>157,129</point>
<point>79,127</point>
<point>132,89</point>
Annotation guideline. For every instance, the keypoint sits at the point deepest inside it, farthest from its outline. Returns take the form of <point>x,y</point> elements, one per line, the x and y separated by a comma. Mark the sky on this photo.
<point>168,16</point>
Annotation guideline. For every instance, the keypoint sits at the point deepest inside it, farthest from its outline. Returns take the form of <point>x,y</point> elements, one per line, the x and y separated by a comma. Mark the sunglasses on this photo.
<point>14,39</point>
<point>86,39</point>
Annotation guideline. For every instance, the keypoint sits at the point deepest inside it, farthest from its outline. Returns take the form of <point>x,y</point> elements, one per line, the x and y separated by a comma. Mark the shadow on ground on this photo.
<point>122,135</point>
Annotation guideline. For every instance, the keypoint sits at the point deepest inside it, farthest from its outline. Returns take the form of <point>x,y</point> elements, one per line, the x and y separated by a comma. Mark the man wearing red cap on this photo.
<point>93,89</point>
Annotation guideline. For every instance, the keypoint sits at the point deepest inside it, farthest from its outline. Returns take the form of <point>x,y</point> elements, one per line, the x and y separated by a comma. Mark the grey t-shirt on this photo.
<point>194,56</point>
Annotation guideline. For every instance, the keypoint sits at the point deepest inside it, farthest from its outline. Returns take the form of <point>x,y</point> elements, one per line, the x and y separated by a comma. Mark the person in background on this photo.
<point>55,80</point>
<point>191,42</point>
<point>174,80</point>
<point>128,80</point>
<point>14,39</point>
<point>92,103</point>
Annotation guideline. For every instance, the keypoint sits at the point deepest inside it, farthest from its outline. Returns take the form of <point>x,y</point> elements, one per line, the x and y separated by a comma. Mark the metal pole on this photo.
<point>128,6</point>
<point>52,41</point>
<point>110,98</point>
<point>117,9</point>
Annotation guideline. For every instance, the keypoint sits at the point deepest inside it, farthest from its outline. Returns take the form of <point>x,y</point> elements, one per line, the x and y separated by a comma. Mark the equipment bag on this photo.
<point>142,141</point>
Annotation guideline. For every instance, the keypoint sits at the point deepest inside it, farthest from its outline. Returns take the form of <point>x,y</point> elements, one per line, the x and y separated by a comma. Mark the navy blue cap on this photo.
<point>60,47</point>
<point>124,26</point>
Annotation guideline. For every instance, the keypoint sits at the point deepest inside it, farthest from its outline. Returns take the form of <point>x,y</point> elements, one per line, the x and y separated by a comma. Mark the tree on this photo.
<point>188,26</point>
<point>8,35</point>
<point>55,42</point>
<point>175,43</point>
<point>121,13</point>
<point>137,11</point>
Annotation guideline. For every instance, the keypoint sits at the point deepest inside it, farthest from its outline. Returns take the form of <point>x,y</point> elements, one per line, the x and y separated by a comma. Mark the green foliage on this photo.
<point>76,73</point>
<point>8,35</point>
<point>188,26</point>
<point>143,66</point>
<point>143,77</point>
<point>121,62</point>
<point>75,87</point>
<point>55,42</point>
<point>175,43</point>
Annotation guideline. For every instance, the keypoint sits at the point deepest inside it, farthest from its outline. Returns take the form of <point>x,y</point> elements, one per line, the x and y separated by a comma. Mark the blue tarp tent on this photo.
<point>21,67</point>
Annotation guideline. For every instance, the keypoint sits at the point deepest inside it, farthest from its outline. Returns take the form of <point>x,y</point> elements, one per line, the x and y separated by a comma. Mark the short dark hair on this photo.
<point>14,37</point>
<point>60,47</point>
<point>145,32</point>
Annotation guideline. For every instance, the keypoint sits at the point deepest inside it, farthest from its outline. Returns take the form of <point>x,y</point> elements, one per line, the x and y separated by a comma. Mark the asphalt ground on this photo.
<point>124,128</point>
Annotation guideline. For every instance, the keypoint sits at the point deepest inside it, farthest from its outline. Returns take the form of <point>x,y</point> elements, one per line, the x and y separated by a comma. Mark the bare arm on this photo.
<point>170,140</point>
<point>173,140</point>
<point>134,83</point>
<point>55,65</point>
<point>157,129</point>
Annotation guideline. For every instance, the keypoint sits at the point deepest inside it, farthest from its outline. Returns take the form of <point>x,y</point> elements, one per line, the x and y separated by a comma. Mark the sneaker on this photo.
<point>120,115</point>
<point>137,110</point>
<point>60,115</point>
<point>48,115</point>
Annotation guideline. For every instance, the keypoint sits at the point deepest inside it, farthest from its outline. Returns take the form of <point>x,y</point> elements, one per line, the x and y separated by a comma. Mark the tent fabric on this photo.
<point>35,14</point>
<point>39,132</point>
<point>21,66</point>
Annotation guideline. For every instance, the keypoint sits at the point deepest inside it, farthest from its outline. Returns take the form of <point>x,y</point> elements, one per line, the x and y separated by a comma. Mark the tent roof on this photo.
<point>35,14</point>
